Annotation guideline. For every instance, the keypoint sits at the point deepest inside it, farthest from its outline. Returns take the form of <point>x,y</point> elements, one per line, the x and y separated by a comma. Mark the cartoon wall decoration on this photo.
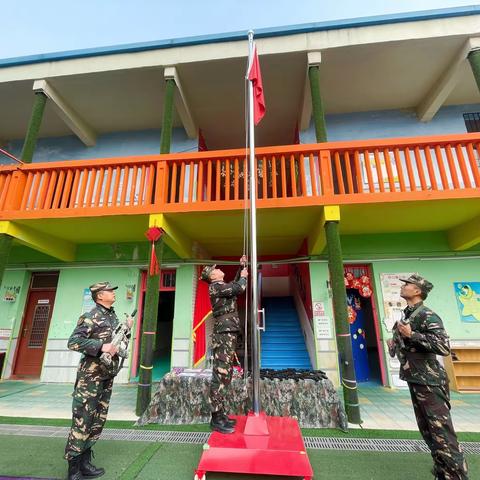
<point>468,301</point>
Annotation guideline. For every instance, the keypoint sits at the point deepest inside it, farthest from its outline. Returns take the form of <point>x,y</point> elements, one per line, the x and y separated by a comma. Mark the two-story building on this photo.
<point>370,124</point>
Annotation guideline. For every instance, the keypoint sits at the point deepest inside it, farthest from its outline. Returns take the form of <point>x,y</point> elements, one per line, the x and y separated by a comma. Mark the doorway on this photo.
<point>364,326</point>
<point>163,339</point>
<point>36,322</point>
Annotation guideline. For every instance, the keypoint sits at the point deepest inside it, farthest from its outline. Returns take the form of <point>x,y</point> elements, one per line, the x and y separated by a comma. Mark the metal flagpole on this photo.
<point>253,244</point>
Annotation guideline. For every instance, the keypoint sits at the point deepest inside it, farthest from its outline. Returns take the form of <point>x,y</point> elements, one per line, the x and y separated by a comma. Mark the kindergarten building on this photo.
<point>370,124</point>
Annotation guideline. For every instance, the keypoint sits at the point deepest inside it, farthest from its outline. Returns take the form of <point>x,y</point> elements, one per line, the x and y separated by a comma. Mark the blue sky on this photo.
<point>30,27</point>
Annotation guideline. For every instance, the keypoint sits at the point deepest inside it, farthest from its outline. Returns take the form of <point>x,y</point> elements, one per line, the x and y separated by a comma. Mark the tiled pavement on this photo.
<point>381,408</point>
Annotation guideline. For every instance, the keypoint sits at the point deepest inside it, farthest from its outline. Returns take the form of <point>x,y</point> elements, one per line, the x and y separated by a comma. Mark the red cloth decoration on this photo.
<point>202,310</point>
<point>153,234</point>
<point>255,76</point>
<point>365,280</point>
<point>352,315</point>
<point>365,291</point>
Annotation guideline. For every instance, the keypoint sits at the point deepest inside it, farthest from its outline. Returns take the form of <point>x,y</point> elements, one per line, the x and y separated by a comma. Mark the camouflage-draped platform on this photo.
<point>183,399</point>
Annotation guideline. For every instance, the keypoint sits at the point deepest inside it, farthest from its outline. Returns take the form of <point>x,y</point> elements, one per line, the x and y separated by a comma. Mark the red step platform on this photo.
<point>260,445</point>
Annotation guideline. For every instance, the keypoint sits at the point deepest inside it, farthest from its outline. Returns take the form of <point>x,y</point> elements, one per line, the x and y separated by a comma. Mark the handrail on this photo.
<point>361,171</point>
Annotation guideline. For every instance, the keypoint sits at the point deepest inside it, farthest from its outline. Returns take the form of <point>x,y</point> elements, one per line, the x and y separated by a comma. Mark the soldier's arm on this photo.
<point>433,339</point>
<point>80,340</point>
<point>229,290</point>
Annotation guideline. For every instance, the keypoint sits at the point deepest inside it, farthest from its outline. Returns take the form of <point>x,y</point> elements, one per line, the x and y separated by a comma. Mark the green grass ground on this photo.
<point>42,457</point>
<point>307,432</point>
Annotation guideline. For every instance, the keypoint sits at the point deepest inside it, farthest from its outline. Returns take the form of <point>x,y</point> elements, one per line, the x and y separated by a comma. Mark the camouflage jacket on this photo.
<point>417,355</point>
<point>223,298</point>
<point>93,330</point>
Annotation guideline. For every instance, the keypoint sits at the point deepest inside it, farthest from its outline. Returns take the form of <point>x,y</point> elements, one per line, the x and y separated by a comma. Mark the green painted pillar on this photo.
<point>317,104</point>
<point>152,293</point>
<point>344,341</point>
<point>33,127</point>
<point>5,248</point>
<point>474,59</point>
<point>149,333</point>
<point>166,136</point>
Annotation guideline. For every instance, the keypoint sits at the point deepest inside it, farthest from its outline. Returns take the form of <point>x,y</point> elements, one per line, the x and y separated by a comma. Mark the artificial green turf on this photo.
<point>307,432</point>
<point>42,457</point>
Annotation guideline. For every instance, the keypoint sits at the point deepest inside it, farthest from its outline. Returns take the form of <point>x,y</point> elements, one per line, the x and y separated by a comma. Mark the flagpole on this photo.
<point>253,244</point>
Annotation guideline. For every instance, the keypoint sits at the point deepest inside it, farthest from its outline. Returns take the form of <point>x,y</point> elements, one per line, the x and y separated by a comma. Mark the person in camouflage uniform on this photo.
<point>91,396</point>
<point>223,298</point>
<point>417,339</point>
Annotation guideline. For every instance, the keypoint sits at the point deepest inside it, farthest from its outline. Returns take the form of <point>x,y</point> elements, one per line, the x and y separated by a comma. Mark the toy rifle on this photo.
<point>120,338</point>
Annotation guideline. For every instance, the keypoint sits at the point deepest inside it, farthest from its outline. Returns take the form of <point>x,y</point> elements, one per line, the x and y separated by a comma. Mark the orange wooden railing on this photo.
<point>294,175</point>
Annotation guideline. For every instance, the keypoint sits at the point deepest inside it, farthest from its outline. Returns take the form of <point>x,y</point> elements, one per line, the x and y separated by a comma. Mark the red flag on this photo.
<point>202,310</point>
<point>255,76</point>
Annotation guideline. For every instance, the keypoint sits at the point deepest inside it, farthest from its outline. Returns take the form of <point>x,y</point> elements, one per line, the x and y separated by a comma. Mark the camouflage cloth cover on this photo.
<point>184,400</point>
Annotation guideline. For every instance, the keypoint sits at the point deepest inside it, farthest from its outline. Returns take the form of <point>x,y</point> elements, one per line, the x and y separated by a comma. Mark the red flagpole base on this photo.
<point>272,446</point>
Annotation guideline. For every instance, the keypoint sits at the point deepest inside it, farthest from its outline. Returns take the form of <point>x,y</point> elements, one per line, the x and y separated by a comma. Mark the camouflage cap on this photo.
<point>206,272</point>
<point>422,283</point>
<point>101,286</point>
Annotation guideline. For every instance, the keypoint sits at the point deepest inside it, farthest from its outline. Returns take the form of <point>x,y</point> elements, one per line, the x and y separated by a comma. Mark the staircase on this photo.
<point>283,345</point>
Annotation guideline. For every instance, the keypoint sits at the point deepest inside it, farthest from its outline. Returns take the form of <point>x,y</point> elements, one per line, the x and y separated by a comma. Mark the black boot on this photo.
<point>218,423</point>
<point>229,421</point>
<point>74,469</point>
<point>88,470</point>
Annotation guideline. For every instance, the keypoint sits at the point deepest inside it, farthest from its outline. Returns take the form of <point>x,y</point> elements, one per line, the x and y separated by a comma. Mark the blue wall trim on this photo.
<point>239,36</point>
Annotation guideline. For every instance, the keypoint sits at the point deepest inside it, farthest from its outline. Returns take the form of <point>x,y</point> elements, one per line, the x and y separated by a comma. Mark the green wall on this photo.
<point>442,273</point>
<point>11,312</point>
<point>69,299</point>
<point>183,317</point>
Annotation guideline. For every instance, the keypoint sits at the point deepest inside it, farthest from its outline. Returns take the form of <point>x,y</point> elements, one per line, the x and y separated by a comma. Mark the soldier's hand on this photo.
<point>244,273</point>
<point>243,260</point>
<point>404,330</point>
<point>390,343</point>
<point>109,348</point>
<point>130,322</point>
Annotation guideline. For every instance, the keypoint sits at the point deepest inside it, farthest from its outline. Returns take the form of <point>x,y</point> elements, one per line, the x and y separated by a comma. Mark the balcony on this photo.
<point>300,175</point>
<point>359,176</point>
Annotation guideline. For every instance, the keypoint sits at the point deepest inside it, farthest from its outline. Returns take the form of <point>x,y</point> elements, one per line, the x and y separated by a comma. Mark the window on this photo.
<point>472,122</point>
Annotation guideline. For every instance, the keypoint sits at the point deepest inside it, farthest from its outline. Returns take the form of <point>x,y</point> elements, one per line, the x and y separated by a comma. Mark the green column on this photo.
<point>149,333</point>
<point>5,248</point>
<point>344,341</point>
<point>152,294</point>
<point>166,137</point>
<point>317,104</point>
<point>474,59</point>
<point>33,127</point>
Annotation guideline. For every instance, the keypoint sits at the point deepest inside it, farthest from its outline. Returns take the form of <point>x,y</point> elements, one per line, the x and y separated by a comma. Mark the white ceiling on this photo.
<point>368,77</point>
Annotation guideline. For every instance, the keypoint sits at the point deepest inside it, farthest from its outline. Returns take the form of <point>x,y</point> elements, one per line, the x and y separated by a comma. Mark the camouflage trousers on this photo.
<point>91,399</point>
<point>223,350</point>
<point>432,411</point>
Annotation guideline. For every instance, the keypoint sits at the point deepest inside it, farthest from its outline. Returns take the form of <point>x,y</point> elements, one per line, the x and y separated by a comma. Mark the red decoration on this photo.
<point>352,315</point>
<point>361,284</point>
<point>365,291</point>
<point>153,234</point>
